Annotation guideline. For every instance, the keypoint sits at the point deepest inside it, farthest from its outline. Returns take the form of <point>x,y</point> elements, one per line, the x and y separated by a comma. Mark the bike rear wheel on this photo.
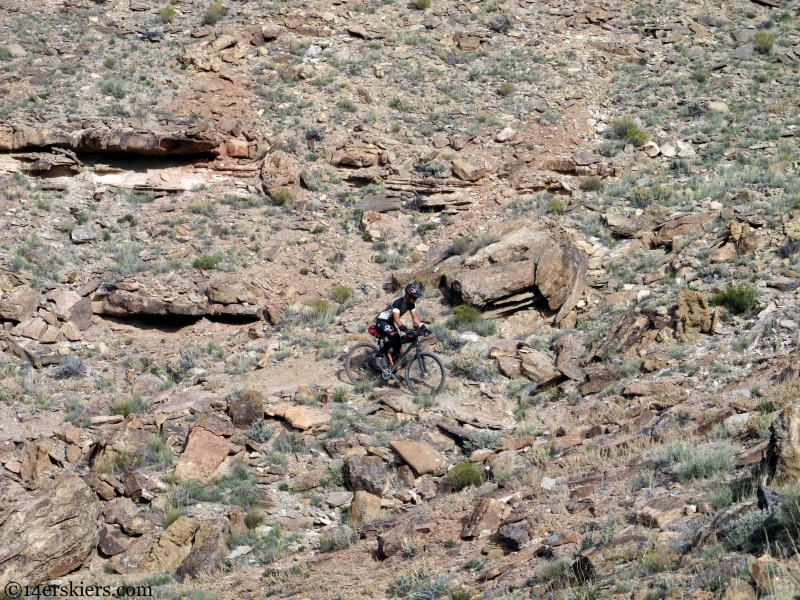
<point>426,374</point>
<point>360,364</point>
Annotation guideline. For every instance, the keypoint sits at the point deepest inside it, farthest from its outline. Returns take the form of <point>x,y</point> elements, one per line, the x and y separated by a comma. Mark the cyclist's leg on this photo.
<point>389,332</point>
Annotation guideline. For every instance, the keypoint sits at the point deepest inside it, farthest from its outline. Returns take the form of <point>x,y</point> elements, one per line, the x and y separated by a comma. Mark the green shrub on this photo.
<point>341,293</point>
<point>465,474</point>
<point>506,89</point>
<point>625,128</point>
<point>5,54</point>
<point>208,261</point>
<point>114,87</point>
<point>591,184</point>
<point>421,4</point>
<point>339,395</point>
<point>465,314</point>
<point>762,42</point>
<point>291,442</point>
<point>460,245</point>
<point>214,13</point>
<point>126,406</point>
<point>168,14</point>
<point>550,116</point>
<point>109,63</point>
<point>482,438</point>
<point>282,196</point>
<point>737,299</point>
<point>556,205</point>
<point>701,465</point>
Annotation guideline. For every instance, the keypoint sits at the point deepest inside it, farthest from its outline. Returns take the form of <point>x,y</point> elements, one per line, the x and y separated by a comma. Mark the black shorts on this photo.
<point>385,328</point>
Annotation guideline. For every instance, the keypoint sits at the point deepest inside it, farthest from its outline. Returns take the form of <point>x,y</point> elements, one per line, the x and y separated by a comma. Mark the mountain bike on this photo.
<point>425,373</point>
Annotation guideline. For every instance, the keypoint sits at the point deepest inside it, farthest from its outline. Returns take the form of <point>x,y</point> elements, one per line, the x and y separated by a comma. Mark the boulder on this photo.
<point>82,234</point>
<point>50,534</point>
<point>624,549</point>
<point>113,541</point>
<point>365,473</point>
<point>278,170</point>
<point>782,458</point>
<point>203,455</point>
<point>365,507</point>
<point>421,456</point>
<point>623,226</point>
<point>391,542</point>
<point>245,408</point>
<point>661,512</point>
<point>336,499</point>
<point>525,262</point>
<point>539,366</point>
<point>692,317</point>
<point>354,157</point>
<point>19,305</point>
<point>207,550</point>
<point>134,558</point>
<point>173,546</point>
<point>484,520</point>
<point>306,417</point>
<point>467,171</point>
<point>236,518</point>
<point>130,304</point>
<point>381,225</point>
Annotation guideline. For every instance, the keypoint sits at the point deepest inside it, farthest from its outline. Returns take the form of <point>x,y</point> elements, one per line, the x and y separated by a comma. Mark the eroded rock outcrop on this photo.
<point>50,534</point>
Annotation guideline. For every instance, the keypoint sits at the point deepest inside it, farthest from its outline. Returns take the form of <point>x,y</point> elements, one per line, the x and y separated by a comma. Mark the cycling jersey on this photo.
<point>398,305</point>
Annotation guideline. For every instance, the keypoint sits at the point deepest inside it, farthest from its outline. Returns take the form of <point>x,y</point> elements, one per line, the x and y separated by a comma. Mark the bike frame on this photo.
<point>403,359</point>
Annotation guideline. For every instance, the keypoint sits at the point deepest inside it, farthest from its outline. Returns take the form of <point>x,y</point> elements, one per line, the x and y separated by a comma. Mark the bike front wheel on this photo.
<point>426,374</point>
<point>360,364</point>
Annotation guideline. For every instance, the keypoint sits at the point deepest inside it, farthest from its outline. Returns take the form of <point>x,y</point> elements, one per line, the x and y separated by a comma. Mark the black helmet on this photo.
<point>412,289</point>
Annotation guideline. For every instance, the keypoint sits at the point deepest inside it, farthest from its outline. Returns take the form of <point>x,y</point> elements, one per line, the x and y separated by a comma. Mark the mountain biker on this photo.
<point>389,324</point>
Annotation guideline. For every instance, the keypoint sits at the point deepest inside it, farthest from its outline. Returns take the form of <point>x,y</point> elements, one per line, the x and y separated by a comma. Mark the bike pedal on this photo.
<point>386,374</point>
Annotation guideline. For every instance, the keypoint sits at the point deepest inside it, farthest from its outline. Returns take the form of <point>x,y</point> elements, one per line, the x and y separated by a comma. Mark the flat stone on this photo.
<point>421,456</point>
<point>113,541</point>
<point>306,417</point>
<point>336,499</point>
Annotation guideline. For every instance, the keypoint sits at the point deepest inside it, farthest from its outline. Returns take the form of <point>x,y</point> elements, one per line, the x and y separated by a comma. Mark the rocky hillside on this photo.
<point>203,206</point>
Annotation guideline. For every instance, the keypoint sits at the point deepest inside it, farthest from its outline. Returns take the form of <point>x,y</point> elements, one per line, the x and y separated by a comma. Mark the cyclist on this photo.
<point>389,324</point>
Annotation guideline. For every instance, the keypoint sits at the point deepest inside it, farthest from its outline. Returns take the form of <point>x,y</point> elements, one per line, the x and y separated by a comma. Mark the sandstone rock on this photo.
<point>539,366</point>
<point>308,480</point>
<point>173,546</point>
<point>603,558</point>
<point>467,171</point>
<point>245,408</point>
<point>306,417</point>
<point>722,254</point>
<point>50,534</point>
<point>364,507</point>
<point>421,456</point>
<point>81,314</point>
<point>381,225</point>
<point>204,453</point>
<point>206,552</point>
<point>236,517</point>
<point>63,299</point>
<point>485,519</point>
<point>278,170</point>
<point>692,316</point>
<point>661,511</point>
<point>718,106</point>
<point>782,459</point>
<point>82,234</point>
<point>623,225</point>
<point>515,534</point>
<point>392,541</point>
<point>128,304</point>
<point>625,335</point>
<point>354,157</point>
<point>336,499</point>
<point>506,135</point>
<point>136,556</point>
<point>34,460</point>
<point>112,541</point>
<point>67,432</point>
<point>19,305</point>
<point>365,473</point>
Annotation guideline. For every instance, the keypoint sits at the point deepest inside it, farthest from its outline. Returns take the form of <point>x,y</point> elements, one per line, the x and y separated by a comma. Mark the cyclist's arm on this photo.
<point>396,318</point>
<point>416,319</point>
